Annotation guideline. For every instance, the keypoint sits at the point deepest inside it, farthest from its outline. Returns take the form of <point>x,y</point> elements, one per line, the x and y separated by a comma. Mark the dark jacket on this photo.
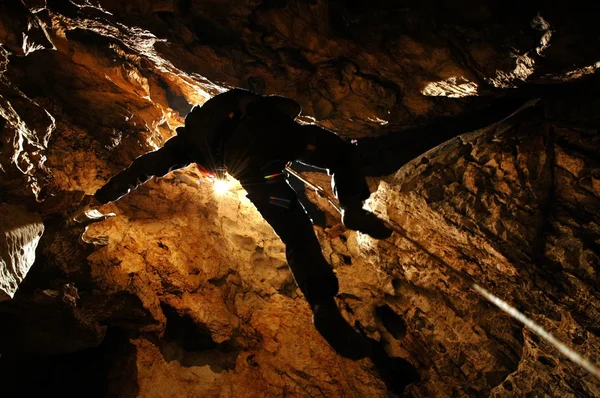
<point>242,130</point>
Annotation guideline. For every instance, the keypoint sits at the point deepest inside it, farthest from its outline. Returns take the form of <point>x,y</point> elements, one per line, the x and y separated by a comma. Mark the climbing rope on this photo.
<point>571,354</point>
<point>320,191</point>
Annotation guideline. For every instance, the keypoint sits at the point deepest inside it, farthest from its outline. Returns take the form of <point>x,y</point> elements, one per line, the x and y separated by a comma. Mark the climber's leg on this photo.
<point>278,204</point>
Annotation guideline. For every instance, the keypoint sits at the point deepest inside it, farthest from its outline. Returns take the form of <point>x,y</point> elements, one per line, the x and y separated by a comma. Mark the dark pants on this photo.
<point>273,197</point>
<point>277,203</point>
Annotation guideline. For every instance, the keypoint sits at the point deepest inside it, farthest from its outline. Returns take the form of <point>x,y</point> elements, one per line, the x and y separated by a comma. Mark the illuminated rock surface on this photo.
<point>183,293</point>
<point>20,233</point>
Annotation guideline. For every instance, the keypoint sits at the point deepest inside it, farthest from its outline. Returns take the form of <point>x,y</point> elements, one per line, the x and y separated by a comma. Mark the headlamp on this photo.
<point>221,181</point>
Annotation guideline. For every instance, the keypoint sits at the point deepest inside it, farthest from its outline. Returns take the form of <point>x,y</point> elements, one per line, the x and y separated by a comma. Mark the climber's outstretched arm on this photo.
<point>173,155</point>
<point>342,160</point>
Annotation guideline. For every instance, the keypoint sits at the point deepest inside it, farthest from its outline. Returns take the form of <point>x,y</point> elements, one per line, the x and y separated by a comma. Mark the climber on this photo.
<point>252,138</point>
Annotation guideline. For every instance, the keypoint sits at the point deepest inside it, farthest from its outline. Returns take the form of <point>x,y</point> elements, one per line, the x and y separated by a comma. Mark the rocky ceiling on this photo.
<point>186,294</point>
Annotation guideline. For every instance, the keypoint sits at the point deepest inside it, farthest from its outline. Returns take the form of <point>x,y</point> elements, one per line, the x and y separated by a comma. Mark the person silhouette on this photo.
<point>252,138</point>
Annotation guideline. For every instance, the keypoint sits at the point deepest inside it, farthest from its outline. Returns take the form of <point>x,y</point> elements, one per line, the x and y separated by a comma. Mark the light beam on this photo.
<point>221,186</point>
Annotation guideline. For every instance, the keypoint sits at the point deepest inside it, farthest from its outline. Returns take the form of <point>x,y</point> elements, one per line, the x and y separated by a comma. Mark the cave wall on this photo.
<point>182,293</point>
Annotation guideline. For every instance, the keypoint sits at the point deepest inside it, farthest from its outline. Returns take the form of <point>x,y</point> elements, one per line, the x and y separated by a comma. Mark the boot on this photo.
<point>358,219</point>
<point>344,339</point>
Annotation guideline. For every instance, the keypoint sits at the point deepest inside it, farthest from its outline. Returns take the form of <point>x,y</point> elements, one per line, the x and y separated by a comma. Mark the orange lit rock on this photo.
<point>185,293</point>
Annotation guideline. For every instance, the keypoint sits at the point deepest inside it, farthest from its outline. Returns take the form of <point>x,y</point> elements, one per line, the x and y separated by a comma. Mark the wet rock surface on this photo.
<point>479,128</point>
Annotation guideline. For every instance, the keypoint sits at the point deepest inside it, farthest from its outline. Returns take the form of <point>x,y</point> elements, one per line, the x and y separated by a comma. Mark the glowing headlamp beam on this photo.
<point>539,330</point>
<point>221,186</point>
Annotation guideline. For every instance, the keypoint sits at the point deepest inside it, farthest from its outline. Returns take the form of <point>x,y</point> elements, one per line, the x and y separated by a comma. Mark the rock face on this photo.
<point>498,209</point>
<point>479,129</point>
<point>20,233</point>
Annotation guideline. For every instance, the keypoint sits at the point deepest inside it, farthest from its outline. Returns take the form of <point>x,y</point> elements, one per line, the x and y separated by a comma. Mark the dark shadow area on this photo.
<point>288,288</point>
<point>392,322</point>
<point>397,373</point>
<point>356,19</point>
<point>108,370</point>
<point>186,333</point>
<point>175,100</point>
<point>212,31</point>
<point>43,329</point>
<point>190,343</point>
<point>269,4</point>
<point>386,154</point>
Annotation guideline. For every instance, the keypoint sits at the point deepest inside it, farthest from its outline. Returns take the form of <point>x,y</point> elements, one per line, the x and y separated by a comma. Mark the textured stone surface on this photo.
<point>183,293</point>
<point>20,233</point>
<point>492,208</point>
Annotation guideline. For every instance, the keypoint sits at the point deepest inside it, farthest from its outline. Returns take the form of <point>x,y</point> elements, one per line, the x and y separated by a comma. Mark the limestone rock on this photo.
<point>20,233</point>
<point>487,208</point>
<point>185,293</point>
